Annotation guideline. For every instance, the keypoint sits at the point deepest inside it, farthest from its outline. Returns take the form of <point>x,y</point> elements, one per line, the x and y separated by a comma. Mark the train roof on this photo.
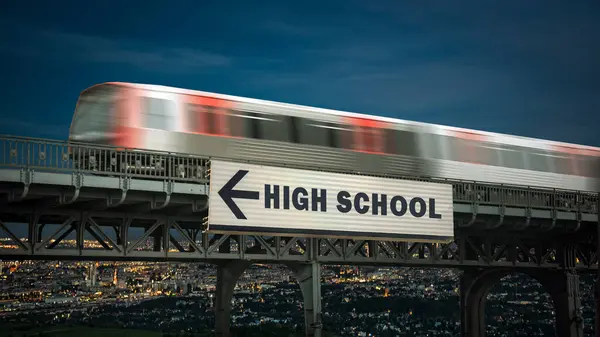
<point>498,137</point>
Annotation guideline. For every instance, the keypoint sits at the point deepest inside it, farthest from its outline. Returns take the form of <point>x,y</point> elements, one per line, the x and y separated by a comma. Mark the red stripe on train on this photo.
<point>220,112</point>
<point>576,151</point>
<point>367,135</point>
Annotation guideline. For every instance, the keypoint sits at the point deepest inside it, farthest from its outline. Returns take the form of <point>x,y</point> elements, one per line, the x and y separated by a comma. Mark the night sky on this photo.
<point>530,68</point>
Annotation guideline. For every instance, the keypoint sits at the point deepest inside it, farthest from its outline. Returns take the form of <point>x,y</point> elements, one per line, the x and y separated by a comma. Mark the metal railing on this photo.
<point>57,156</point>
<point>61,156</point>
<point>506,195</point>
<point>486,194</point>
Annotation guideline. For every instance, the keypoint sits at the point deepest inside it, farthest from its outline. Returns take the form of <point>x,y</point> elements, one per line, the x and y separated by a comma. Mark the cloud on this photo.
<point>59,46</point>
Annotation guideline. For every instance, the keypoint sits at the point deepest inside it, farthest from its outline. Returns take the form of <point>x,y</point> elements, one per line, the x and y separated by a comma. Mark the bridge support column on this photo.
<point>227,276</point>
<point>562,285</point>
<point>309,278</point>
<point>475,284</point>
<point>597,296</point>
<point>597,292</point>
<point>564,289</point>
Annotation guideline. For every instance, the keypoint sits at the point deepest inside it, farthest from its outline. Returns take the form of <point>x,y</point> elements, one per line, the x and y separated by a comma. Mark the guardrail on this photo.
<point>485,194</point>
<point>62,156</point>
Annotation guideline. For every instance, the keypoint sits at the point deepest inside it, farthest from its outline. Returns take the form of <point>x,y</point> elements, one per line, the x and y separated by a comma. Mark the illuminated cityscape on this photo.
<point>175,297</point>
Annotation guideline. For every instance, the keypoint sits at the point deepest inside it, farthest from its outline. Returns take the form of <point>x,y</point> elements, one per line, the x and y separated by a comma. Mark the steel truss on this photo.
<point>104,235</point>
<point>102,196</point>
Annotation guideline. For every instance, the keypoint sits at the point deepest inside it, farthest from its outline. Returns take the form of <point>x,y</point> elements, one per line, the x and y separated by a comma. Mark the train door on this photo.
<point>367,136</point>
<point>367,141</point>
<point>123,123</point>
<point>127,121</point>
<point>207,116</point>
<point>159,111</point>
<point>473,148</point>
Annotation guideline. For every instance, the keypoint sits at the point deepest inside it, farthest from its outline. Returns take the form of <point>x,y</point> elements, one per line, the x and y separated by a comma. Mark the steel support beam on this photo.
<point>113,238</point>
<point>561,284</point>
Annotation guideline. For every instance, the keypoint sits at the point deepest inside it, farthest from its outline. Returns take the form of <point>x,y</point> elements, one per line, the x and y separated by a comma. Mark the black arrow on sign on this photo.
<point>227,193</point>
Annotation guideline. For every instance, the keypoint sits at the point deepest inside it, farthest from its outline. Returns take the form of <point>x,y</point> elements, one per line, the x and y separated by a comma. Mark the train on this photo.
<point>162,118</point>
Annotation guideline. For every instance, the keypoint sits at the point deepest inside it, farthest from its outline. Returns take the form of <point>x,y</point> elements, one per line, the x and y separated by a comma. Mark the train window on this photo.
<point>216,121</point>
<point>477,152</point>
<point>448,147</point>
<point>252,123</point>
<point>292,123</point>
<point>401,142</point>
<point>332,137</point>
<point>593,164</point>
<point>257,126</point>
<point>512,158</point>
<point>341,136</point>
<point>537,161</point>
<point>594,167</point>
<point>93,115</point>
<point>196,117</point>
<point>588,166</point>
<point>465,151</point>
<point>457,149</point>
<point>431,145</point>
<point>95,110</point>
<point>488,154</point>
<point>368,139</point>
<point>271,127</point>
<point>237,123</point>
<point>201,119</point>
<point>157,113</point>
<point>313,132</point>
<point>208,119</point>
<point>563,164</point>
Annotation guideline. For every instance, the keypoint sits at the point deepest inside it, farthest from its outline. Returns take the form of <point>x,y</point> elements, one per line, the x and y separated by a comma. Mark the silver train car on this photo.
<point>201,123</point>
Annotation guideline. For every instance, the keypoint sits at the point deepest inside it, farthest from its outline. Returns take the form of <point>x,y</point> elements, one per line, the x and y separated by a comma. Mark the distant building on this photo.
<point>60,299</point>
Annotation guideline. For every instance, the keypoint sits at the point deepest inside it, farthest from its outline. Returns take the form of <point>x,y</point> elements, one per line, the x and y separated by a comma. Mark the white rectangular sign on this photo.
<point>247,198</point>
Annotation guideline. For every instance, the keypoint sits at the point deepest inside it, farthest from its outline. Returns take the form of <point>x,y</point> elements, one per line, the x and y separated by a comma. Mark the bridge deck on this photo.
<point>135,205</point>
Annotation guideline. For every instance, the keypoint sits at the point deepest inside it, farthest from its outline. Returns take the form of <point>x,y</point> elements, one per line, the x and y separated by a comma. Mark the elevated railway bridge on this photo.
<point>122,204</point>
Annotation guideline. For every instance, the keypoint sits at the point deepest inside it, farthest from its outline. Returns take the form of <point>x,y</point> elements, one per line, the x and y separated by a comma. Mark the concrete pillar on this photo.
<point>563,286</point>
<point>597,296</point>
<point>597,292</point>
<point>564,289</point>
<point>475,284</point>
<point>228,274</point>
<point>472,307</point>
<point>309,278</point>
